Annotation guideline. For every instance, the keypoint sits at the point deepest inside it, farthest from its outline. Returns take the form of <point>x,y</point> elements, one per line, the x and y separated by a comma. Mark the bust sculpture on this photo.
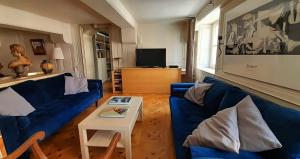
<point>21,63</point>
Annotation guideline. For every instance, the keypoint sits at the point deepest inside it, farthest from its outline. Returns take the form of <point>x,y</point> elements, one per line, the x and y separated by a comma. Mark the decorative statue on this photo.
<point>1,66</point>
<point>21,64</point>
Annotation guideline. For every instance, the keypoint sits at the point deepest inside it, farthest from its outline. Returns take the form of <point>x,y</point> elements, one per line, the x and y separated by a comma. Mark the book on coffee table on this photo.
<point>119,100</point>
<point>113,112</point>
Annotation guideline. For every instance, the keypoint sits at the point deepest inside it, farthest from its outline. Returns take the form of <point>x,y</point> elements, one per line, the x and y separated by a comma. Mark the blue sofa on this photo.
<point>284,122</point>
<point>53,109</point>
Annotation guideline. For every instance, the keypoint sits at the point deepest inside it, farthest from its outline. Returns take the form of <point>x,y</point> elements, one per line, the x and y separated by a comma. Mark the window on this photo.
<point>214,44</point>
<point>208,29</point>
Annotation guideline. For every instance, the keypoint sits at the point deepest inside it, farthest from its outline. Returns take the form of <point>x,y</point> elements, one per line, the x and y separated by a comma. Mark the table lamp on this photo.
<point>58,56</point>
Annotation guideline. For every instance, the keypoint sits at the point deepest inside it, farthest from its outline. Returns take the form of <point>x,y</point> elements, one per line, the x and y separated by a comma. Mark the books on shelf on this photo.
<point>121,100</point>
<point>113,112</point>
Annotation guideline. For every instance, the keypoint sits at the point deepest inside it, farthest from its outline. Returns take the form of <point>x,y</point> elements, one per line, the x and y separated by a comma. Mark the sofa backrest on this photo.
<point>215,94</point>
<point>31,92</point>
<point>53,87</point>
<point>283,121</point>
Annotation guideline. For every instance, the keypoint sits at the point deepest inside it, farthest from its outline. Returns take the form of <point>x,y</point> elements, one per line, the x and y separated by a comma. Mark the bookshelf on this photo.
<point>117,81</point>
<point>103,54</point>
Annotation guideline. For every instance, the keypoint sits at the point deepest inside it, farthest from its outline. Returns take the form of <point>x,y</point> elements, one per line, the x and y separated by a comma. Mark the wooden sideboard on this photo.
<point>149,80</point>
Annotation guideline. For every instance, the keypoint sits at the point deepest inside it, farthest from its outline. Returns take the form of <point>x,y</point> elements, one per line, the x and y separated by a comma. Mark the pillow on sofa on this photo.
<point>197,92</point>
<point>255,134</point>
<point>74,85</point>
<point>12,104</point>
<point>219,131</point>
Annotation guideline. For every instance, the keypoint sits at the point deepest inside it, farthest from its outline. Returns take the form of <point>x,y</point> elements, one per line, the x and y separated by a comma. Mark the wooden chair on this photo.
<point>32,143</point>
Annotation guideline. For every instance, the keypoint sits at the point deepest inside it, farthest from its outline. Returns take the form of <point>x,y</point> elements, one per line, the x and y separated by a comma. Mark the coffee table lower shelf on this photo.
<point>102,138</point>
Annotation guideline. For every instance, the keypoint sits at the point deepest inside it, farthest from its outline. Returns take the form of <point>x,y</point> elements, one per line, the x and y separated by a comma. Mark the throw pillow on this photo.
<point>255,134</point>
<point>74,85</point>
<point>197,92</point>
<point>12,104</point>
<point>219,131</point>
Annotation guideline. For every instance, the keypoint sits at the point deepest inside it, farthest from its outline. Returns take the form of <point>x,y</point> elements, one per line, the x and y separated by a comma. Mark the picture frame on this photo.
<point>270,58</point>
<point>38,46</point>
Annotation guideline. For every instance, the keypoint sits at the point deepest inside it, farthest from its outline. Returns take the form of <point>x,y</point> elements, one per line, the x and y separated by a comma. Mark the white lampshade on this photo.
<point>57,54</point>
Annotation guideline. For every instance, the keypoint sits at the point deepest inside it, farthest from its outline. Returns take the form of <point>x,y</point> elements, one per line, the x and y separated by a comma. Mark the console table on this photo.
<point>149,80</point>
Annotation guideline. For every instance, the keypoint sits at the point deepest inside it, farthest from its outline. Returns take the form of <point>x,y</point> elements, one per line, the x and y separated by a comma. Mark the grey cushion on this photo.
<point>255,134</point>
<point>13,104</point>
<point>219,131</point>
<point>197,92</point>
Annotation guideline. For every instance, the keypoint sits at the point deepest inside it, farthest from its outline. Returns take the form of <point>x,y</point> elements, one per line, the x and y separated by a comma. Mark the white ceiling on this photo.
<point>69,11</point>
<point>157,10</point>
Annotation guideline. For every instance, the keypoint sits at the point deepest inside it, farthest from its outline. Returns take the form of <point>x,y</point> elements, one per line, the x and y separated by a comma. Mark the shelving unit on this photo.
<point>103,54</point>
<point>117,81</point>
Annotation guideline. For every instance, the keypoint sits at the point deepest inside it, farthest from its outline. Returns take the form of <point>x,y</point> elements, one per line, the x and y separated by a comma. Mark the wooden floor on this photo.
<point>151,138</point>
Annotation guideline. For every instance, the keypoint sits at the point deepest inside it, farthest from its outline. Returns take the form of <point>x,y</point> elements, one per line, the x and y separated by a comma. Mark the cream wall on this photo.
<point>272,92</point>
<point>169,35</point>
<point>10,36</point>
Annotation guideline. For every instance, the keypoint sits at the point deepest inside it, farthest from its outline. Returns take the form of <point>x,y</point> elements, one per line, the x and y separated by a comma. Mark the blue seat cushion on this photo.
<point>31,92</point>
<point>186,116</point>
<point>204,152</point>
<point>54,115</point>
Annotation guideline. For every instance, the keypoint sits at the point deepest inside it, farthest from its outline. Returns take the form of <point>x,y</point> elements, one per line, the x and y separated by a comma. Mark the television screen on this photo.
<point>151,57</point>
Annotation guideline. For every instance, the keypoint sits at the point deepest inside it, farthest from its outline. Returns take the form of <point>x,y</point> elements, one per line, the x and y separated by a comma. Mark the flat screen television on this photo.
<point>151,57</point>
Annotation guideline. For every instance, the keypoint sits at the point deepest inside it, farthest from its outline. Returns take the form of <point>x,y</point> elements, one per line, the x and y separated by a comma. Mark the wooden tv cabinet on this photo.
<point>149,80</point>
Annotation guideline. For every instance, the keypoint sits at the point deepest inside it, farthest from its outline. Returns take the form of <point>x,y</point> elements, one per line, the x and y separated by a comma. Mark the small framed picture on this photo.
<point>38,46</point>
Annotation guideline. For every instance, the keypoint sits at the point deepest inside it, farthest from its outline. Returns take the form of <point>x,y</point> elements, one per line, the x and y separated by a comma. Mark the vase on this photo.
<point>47,66</point>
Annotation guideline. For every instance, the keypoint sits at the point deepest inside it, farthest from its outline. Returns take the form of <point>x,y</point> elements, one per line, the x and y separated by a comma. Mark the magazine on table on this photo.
<point>113,112</point>
<point>121,100</point>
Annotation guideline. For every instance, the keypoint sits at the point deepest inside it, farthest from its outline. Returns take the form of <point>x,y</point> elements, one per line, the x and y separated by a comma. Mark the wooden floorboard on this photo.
<point>151,138</point>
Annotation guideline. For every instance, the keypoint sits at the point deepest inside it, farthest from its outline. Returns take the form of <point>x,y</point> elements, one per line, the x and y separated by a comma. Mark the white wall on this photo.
<point>20,18</point>
<point>169,35</point>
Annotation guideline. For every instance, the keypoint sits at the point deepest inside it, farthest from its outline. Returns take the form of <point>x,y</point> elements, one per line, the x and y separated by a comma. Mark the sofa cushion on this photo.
<point>186,116</point>
<point>31,92</point>
<point>215,94</point>
<point>219,131</point>
<point>255,134</point>
<point>211,153</point>
<point>13,104</point>
<point>53,87</point>
<point>197,92</point>
<point>279,119</point>
<point>74,85</point>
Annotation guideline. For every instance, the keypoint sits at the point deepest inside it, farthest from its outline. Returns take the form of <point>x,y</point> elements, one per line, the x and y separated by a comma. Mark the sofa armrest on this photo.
<point>10,132</point>
<point>95,84</point>
<point>179,89</point>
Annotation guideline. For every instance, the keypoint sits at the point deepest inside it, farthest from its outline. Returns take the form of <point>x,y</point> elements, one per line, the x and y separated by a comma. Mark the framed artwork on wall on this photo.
<point>263,42</point>
<point>38,46</point>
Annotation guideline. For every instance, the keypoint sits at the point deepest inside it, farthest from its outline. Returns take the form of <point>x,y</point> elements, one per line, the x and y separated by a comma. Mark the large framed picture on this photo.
<point>38,46</point>
<point>263,42</point>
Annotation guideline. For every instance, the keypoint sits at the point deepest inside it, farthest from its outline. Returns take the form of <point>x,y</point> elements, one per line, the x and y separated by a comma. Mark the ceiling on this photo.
<point>157,10</point>
<point>69,11</point>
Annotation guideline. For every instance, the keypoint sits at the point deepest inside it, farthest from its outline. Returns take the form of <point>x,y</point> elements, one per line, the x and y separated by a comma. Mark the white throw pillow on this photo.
<point>197,92</point>
<point>255,134</point>
<point>74,85</point>
<point>219,131</point>
<point>13,104</point>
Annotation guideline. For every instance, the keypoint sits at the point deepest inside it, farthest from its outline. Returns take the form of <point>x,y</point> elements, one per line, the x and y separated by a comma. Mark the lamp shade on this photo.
<point>58,54</point>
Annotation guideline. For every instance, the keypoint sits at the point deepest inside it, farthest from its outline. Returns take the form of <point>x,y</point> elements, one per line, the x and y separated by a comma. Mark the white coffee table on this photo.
<point>106,127</point>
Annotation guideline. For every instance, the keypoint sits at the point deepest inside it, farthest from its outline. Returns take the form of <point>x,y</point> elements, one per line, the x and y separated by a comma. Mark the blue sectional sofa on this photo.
<point>284,122</point>
<point>53,109</point>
